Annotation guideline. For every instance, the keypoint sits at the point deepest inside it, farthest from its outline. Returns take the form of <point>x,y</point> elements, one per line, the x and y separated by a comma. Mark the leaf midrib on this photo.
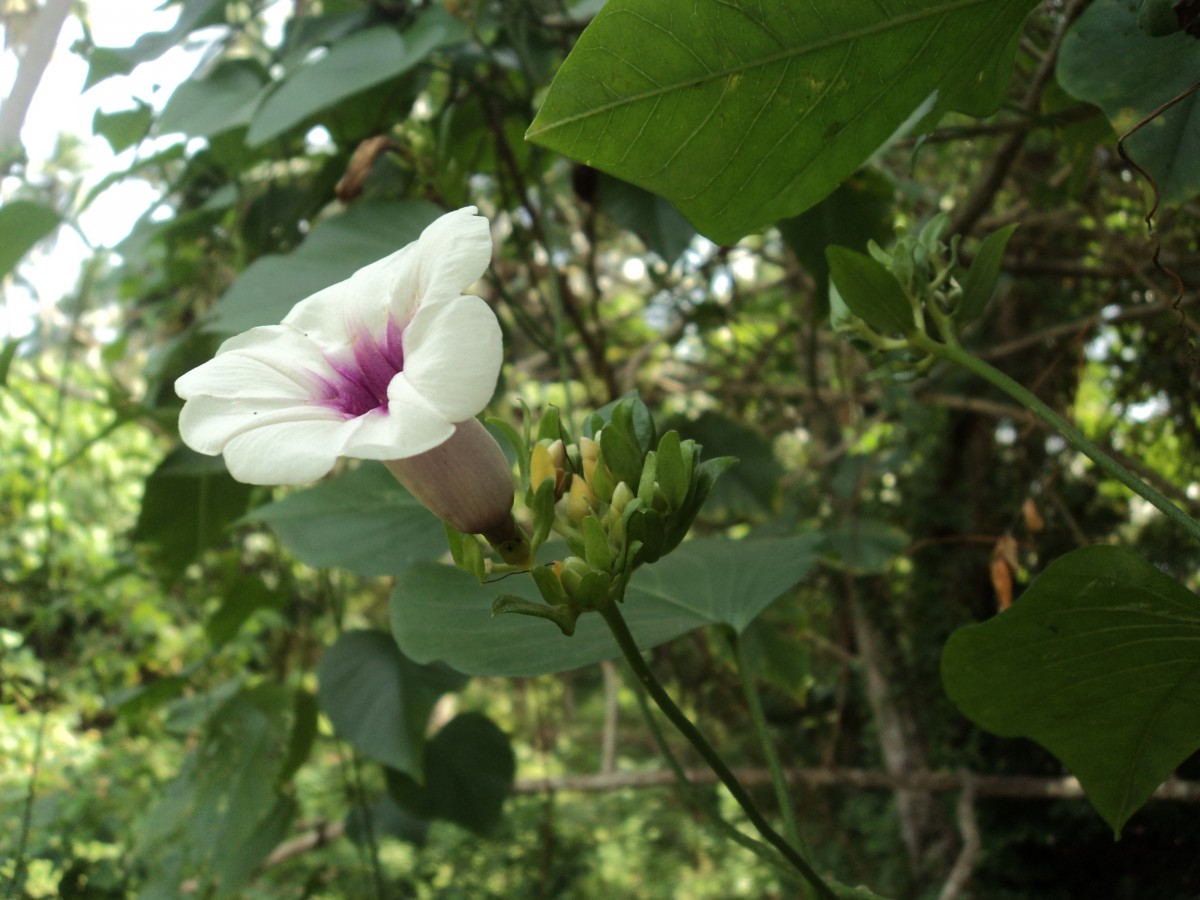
<point>833,41</point>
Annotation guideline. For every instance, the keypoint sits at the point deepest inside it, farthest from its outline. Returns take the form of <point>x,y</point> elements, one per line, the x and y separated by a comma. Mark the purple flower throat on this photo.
<point>361,379</point>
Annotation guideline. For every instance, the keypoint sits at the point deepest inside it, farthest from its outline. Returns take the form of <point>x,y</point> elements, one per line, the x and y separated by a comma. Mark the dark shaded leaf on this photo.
<point>379,700</point>
<point>189,501</point>
<point>1099,662</point>
<point>870,291</point>
<point>1108,60</point>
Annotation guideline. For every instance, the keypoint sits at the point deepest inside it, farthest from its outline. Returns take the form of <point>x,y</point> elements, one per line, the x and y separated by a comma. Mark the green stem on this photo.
<point>616,624</point>
<point>790,826</point>
<point>698,802</point>
<point>1076,438</point>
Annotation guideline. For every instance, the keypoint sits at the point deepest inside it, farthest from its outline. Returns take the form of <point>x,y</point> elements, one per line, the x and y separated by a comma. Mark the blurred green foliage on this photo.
<point>168,719</point>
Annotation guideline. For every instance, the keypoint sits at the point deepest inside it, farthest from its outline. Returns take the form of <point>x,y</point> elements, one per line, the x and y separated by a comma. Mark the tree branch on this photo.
<point>38,50</point>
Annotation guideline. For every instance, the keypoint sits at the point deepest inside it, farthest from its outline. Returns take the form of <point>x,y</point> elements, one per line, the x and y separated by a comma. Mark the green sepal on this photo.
<point>473,558</point>
<point>543,513</point>
<point>516,552</point>
<point>518,441</point>
<point>645,490</point>
<point>549,586</point>
<point>602,480</point>
<point>455,538</point>
<point>550,426</point>
<point>592,591</point>
<point>980,281</point>
<point>466,552</point>
<point>595,544</point>
<point>620,447</point>
<point>562,616</point>
<point>672,471</point>
<point>646,527</point>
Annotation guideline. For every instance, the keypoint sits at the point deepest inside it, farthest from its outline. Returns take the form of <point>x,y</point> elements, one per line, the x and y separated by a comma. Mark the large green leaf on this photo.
<point>337,247</point>
<point>440,613</point>
<point>225,98</point>
<point>362,520</point>
<point>22,224</point>
<point>353,64</point>
<point>380,701</point>
<point>1098,661</point>
<point>1108,60</point>
<point>742,112</point>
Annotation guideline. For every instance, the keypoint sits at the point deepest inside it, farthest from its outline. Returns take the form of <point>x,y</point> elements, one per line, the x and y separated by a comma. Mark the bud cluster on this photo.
<point>621,496</point>
<point>894,301</point>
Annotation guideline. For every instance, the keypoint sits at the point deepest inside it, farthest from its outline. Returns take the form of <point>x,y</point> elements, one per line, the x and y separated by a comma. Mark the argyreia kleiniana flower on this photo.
<point>389,364</point>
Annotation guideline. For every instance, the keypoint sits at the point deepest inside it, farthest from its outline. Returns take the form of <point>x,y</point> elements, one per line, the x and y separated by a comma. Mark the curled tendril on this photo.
<point>1149,217</point>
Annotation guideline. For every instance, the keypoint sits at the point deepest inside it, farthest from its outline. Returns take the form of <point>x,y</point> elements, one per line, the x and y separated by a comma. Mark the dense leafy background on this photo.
<point>194,672</point>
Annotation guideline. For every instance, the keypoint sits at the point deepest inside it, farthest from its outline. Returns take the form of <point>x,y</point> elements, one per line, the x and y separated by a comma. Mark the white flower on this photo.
<point>383,366</point>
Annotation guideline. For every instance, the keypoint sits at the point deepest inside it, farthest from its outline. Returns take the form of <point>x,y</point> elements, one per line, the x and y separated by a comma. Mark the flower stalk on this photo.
<point>620,631</point>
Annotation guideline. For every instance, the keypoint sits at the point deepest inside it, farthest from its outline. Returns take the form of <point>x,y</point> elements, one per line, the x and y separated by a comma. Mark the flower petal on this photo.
<point>287,452</point>
<point>452,356</point>
<point>271,362</point>
<point>409,427</point>
<point>450,255</point>
<point>207,424</point>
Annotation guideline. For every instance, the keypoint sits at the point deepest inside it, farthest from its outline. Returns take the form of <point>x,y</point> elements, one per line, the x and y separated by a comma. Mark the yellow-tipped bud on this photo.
<point>581,500</point>
<point>588,450</point>
<point>547,461</point>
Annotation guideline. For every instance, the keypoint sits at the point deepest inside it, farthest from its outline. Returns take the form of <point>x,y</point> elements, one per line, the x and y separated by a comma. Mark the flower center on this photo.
<point>362,377</point>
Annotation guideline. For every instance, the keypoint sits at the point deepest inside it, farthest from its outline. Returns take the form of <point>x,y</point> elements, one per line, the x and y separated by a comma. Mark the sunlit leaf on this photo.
<point>23,223</point>
<point>1098,661</point>
<point>124,128</point>
<point>742,113</point>
<point>353,64</point>
<point>225,98</point>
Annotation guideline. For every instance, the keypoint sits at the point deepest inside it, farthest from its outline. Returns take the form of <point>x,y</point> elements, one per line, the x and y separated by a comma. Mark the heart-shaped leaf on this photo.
<point>362,520</point>
<point>1099,662</point>
<point>469,769</point>
<point>440,613</point>
<point>380,701</point>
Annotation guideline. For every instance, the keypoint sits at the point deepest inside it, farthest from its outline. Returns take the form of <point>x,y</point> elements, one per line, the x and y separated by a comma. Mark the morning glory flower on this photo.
<point>390,364</point>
